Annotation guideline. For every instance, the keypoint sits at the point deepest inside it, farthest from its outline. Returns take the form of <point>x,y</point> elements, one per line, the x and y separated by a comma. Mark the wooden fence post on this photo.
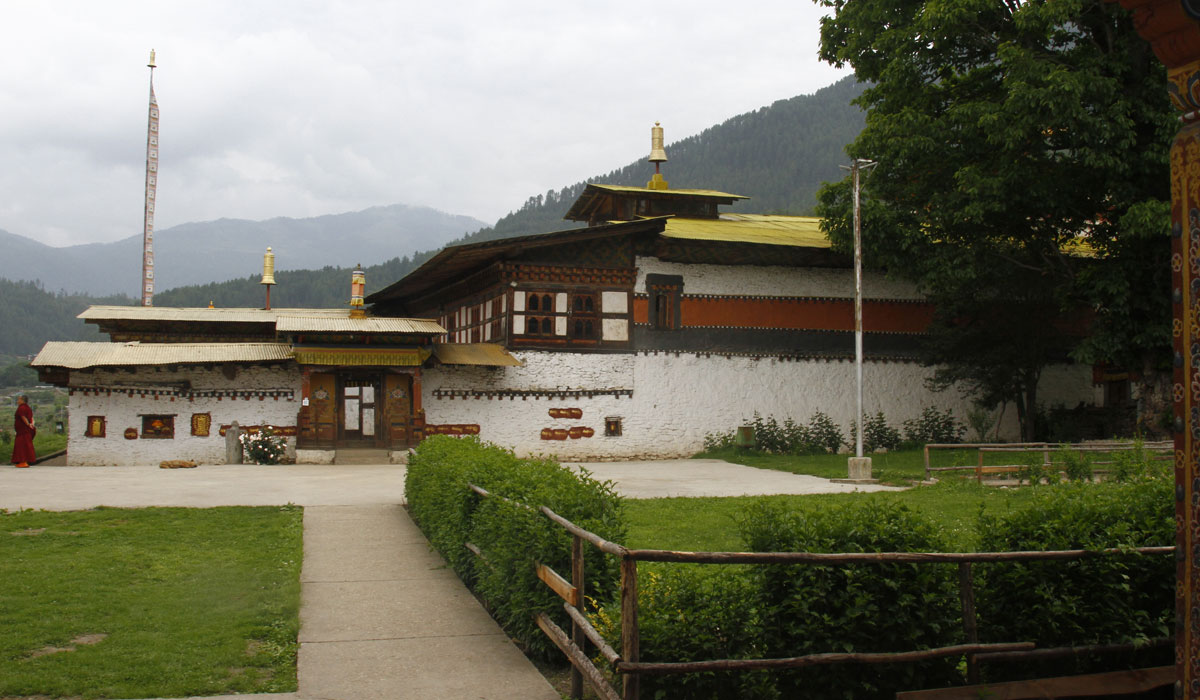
<point>576,631</point>
<point>966,593</point>
<point>630,642</point>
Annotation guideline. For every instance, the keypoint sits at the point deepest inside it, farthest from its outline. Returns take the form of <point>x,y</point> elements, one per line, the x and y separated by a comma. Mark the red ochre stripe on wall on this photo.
<point>796,314</point>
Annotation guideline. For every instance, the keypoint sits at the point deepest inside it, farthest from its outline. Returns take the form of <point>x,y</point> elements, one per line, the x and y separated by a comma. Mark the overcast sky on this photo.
<point>304,108</point>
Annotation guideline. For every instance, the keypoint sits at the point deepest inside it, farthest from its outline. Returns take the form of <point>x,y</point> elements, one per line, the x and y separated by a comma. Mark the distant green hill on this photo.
<point>30,316</point>
<point>777,155</point>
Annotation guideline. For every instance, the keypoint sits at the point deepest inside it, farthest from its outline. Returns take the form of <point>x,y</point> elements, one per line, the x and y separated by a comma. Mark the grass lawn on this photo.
<point>710,524</point>
<point>898,467</point>
<point>155,602</point>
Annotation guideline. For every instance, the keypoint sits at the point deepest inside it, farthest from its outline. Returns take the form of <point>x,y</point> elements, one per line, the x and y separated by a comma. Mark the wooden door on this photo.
<point>398,409</point>
<point>360,403</point>
<point>322,408</point>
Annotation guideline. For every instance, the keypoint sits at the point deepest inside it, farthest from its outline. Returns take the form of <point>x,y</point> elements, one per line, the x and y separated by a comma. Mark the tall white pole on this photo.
<point>855,168</point>
<point>858,330</point>
<point>147,283</point>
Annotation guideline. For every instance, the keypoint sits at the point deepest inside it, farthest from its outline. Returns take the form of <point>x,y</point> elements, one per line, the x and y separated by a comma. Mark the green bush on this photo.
<point>1100,600</point>
<point>512,538</point>
<point>940,427</point>
<point>264,447</point>
<point>808,609</point>
<point>877,434</point>
<point>695,613</point>
<point>1137,464</point>
<point>820,436</point>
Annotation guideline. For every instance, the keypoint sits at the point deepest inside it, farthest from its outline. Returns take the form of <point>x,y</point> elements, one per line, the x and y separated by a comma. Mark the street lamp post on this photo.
<point>860,466</point>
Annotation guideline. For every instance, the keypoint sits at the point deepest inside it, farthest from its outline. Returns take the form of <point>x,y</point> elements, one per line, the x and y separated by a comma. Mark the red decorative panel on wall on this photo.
<point>805,314</point>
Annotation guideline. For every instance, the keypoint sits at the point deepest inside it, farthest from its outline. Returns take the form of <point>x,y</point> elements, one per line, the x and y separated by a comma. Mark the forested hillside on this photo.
<point>327,288</point>
<point>30,316</point>
<point>777,155</point>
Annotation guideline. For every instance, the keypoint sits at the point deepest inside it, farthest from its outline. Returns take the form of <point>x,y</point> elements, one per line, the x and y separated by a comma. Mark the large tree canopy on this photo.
<point>1022,172</point>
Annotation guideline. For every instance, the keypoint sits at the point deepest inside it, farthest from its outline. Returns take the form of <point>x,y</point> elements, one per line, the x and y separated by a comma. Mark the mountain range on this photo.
<point>778,156</point>
<point>225,249</point>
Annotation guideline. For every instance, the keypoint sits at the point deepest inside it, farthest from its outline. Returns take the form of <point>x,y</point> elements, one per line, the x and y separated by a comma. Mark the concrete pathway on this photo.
<point>711,477</point>
<point>383,617</point>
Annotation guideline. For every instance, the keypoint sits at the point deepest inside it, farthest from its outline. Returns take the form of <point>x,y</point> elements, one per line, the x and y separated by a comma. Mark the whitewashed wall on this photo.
<point>774,280</point>
<point>122,412</point>
<point>678,399</point>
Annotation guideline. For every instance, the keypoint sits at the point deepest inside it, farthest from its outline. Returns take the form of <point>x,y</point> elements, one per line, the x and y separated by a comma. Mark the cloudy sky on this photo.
<point>304,108</point>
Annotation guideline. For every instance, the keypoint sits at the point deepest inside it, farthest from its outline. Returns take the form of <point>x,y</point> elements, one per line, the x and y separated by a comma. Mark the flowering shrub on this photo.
<point>264,447</point>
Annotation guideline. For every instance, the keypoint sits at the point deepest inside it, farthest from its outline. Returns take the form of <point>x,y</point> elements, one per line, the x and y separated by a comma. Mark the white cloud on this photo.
<point>305,108</point>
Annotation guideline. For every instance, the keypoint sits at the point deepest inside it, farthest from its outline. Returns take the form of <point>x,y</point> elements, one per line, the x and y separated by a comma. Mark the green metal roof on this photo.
<point>764,229</point>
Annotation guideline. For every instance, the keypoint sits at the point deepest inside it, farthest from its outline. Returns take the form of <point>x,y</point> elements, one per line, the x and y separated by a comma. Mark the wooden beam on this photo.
<point>578,659</point>
<point>1106,684</point>
<point>558,584</point>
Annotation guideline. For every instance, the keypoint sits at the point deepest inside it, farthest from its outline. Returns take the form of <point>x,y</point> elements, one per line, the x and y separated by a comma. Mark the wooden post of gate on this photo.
<point>629,625</point>
<point>1173,29</point>
<point>966,594</point>
<point>577,635</point>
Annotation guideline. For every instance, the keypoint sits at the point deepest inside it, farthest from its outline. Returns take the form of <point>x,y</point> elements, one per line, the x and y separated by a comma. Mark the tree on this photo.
<point>1023,173</point>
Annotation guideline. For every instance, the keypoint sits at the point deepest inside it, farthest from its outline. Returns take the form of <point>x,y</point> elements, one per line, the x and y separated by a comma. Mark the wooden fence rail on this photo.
<point>1046,448</point>
<point>629,666</point>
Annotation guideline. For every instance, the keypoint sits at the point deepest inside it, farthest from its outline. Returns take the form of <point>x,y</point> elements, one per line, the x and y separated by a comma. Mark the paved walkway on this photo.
<point>382,617</point>
<point>693,478</point>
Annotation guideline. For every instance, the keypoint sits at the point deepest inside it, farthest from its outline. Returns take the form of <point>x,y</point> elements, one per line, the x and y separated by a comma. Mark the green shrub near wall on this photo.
<point>810,609</point>
<point>1101,600</point>
<point>512,538</point>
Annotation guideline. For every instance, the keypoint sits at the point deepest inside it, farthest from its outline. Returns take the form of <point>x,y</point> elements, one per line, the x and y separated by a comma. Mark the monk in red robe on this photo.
<point>23,452</point>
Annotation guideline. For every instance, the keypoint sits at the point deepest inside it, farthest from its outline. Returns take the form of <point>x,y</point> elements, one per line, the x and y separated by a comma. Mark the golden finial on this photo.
<point>268,267</point>
<point>151,63</point>
<point>657,155</point>
<point>358,287</point>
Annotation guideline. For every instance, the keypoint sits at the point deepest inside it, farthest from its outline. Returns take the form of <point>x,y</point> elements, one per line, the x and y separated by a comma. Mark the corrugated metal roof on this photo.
<point>169,313</point>
<point>80,355</point>
<point>799,231</point>
<point>481,354</point>
<point>370,324</point>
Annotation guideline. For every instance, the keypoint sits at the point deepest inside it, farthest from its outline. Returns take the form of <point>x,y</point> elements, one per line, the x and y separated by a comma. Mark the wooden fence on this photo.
<point>1046,448</point>
<point>627,662</point>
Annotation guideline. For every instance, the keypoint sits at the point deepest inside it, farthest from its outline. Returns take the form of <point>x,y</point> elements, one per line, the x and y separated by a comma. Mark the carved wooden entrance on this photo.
<point>358,424</point>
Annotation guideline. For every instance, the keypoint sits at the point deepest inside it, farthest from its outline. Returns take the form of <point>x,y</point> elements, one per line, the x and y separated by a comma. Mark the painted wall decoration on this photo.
<point>95,427</point>
<point>158,426</point>
<point>452,429</point>
<point>131,434</point>
<point>579,431</point>
<point>573,413</point>
<point>281,430</point>
<point>201,424</point>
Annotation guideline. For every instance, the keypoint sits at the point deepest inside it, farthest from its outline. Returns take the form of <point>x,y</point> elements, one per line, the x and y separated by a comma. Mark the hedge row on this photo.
<point>693,612</point>
<point>512,538</point>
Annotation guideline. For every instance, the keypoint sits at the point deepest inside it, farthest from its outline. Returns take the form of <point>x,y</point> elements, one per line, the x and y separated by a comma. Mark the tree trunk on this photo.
<point>1029,414</point>
<point>1153,402</point>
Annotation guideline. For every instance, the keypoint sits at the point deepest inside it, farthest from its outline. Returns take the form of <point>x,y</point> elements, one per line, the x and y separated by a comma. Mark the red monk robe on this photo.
<point>23,452</point>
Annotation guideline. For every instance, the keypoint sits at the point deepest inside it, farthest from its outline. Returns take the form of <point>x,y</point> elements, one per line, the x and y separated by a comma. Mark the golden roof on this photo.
<point>480,354</point>
<point>674,191</point>
<point>81,355</point>
<point>171,313</point>
<point>765,229</point>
